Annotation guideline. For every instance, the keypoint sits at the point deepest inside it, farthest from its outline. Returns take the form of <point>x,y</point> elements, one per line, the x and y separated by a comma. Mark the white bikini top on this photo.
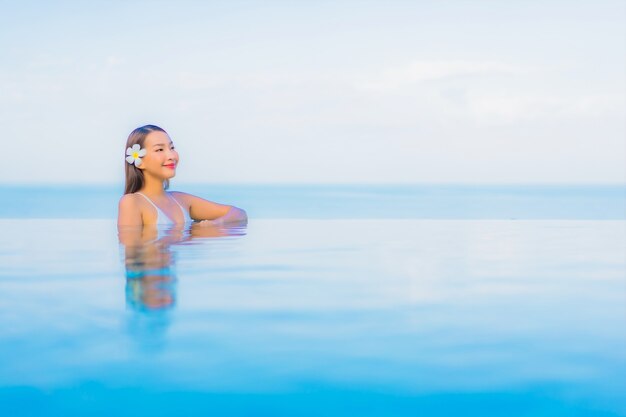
<point>162,217</point>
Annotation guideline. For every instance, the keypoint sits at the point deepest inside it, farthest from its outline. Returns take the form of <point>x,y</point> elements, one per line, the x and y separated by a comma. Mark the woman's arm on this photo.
<point>129,213</point>
<point>234,216</point>
<point>218,214</point>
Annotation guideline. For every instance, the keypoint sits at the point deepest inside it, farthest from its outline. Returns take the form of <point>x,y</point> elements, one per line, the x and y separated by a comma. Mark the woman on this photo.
<point>151,161</point>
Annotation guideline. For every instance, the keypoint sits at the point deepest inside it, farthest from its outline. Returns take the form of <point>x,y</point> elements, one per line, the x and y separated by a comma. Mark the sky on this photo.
<point>317,91</point>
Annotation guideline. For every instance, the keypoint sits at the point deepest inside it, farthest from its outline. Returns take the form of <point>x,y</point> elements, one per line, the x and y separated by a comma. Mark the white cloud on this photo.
<point>514,107</point>
<point>393,78</point>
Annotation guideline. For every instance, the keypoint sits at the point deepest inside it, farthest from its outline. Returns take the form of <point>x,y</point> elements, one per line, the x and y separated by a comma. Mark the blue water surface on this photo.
<point>291,316</point>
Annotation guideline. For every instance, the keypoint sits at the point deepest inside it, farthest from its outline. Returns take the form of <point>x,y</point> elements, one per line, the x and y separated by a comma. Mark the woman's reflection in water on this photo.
<point>150,270</point>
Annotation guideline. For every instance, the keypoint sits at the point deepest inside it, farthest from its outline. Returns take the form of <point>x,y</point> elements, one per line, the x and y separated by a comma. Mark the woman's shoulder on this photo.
<point>129,200</point>
<point>178,193</point>
<point>193,200</point>
<point>130,210</point>
<point>182,196</point>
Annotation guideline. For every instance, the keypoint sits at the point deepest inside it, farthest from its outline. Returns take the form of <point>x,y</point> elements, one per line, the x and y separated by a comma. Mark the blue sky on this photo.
<point>318,92</point>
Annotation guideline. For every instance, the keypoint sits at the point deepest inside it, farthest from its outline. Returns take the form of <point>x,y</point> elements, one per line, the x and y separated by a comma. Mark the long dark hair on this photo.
<point>134,176</point>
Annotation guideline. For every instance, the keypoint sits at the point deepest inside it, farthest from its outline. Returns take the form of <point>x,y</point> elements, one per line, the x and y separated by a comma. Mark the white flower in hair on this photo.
<point>134,154</point>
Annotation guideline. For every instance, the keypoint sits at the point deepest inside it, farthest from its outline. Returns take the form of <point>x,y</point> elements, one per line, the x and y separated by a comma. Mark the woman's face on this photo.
<point>161,159</point>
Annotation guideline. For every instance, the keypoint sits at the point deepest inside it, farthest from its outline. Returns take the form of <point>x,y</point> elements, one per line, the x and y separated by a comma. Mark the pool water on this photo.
<point>314,317</point>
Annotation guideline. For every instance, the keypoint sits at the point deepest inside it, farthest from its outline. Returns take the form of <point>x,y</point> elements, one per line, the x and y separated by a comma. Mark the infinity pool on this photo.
<point>383,317</point>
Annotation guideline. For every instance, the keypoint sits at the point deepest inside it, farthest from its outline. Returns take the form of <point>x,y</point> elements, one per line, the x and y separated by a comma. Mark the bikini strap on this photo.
<point>150,201</point>
<point>179,205</point>
<point>185,213</point>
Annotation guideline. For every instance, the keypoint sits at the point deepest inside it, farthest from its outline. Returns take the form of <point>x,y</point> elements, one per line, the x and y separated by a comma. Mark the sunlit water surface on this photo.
<point>297,317</point>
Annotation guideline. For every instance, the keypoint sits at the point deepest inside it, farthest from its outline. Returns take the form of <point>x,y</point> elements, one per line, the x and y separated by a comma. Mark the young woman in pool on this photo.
<point>151,161</point>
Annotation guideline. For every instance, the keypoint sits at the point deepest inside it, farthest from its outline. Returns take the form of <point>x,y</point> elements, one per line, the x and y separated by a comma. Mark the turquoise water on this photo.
<point>340,316</point>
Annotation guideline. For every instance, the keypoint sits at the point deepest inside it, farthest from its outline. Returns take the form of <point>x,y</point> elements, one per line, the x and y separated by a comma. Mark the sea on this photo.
<point>333,300</point>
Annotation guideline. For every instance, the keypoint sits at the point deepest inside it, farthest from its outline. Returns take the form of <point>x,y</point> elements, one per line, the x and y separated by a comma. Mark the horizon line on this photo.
<point>327,184</point>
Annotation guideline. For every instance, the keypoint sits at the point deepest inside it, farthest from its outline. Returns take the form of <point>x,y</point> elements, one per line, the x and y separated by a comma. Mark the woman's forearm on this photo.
<point>234,215</point>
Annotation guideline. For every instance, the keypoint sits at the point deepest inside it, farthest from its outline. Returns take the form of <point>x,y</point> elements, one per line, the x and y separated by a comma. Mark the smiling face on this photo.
<point>161,158</point>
